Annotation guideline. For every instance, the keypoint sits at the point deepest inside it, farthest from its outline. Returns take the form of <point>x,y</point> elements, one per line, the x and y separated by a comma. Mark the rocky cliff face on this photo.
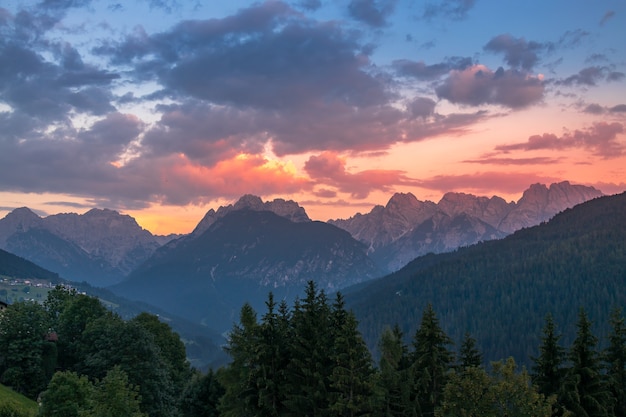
<point>407,228</point>
<point>99,247</point>
<point>287,209</point>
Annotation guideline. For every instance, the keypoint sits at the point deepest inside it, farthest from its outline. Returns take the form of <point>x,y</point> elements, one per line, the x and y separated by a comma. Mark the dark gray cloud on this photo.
<point>372,12</point>
<point>479,85</point>
<point>422,71</point>
<point>449,9</point>
<point>607,16</point>
<point>591,76</point>
<point>620,108</point>
<point>263,57</point>
<point>310,4</point>
<point>518,52</point>
<point>601,138</point>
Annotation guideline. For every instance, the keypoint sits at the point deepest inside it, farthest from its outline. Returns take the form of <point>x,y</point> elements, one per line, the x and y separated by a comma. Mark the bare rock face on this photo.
<point>384,225</point>
<point>406,228</point>
<point>21,219</point>
<point>288,209</point>
<point>104,245</point>
<point>489,210</point>
<point>540,203</point>
<point>106,234</point>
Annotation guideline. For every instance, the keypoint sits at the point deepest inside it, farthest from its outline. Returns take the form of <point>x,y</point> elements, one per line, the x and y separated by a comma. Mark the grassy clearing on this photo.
<point>12,398</point>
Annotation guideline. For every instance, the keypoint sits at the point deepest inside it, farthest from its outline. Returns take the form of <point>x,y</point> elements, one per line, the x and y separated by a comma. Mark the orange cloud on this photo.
<point>185,180</point>
<point>330,168</point>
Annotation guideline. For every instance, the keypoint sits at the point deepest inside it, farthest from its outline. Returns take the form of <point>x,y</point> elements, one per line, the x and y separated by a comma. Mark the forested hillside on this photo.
<point>500,291</point>
<point>14,266</point>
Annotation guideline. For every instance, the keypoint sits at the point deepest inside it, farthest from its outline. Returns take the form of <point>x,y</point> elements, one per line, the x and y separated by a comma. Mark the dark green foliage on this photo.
<point>14,266</point>
<point>115,396</point>
<point>23,329</point>
<point>504,392</point>
<point>67,395</point>
<point>548,370</point>
<point>469,355</point>
<point>615,358</point>
<point>202,396</point>
<point>395,392</point>
<point>585,391</point>
<point>240,397</point>
<point>431,361</point>
<point>351,380</point>
<point>500,291</point>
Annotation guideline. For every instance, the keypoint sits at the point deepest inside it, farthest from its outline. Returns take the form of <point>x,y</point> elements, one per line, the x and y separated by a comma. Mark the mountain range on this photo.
<point>239,252</point>
<point>500,291</point>
<point>407,228</point>
<point>100,247</point>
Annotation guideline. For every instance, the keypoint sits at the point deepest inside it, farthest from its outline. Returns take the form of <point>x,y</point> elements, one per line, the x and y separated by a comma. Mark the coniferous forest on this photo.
<point>79,359</point>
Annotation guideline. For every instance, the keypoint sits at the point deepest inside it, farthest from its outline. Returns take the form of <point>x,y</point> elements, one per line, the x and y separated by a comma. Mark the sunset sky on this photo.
<point>163,109</point>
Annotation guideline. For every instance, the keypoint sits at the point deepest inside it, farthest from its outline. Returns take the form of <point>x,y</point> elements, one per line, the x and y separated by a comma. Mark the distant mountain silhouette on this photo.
<point>241,257</point>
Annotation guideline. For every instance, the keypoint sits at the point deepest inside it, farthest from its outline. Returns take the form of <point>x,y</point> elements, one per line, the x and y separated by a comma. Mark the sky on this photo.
<point>164,109</point>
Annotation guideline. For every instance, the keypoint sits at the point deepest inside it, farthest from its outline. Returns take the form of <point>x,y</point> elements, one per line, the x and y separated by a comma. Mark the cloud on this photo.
<point>620,108</point>
<point>372,12</point>
<point>478,85</point>
<point>329,168</point>
<point>607,16</point>
<point>450,9</point>
<point>595,108</point>
<point>310,4</point>
<point>518,53</point>
<point>485,182</point>
<point>422,71</point>
<point>540,160</point>
<point>590,76</point>
<point>601,138</point>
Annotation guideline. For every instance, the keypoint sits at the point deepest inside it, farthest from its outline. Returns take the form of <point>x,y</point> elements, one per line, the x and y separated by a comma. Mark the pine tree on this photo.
<point>393,383</point>
<point>240,397</point>
<point>432,361</point>
<point>351,380</point>
<point>271,358</point>
<point>469,355</point>
<point>548,371</point>
<point>585,391</point>
<point>615,357</point>
<point>307,388</point>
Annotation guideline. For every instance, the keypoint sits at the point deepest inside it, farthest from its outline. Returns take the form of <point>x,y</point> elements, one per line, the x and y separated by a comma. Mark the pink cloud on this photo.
<point>601,138</point>
<point>330,168</point>
<point>485,182</point>
<point>478,85</point>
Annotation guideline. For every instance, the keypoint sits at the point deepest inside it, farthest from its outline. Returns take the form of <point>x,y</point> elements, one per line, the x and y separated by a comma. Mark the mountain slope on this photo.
<point>99,247</point>
<point>241,257</point>
<point>17,267</point>
<point>500,291</point>
<point>395,234</point>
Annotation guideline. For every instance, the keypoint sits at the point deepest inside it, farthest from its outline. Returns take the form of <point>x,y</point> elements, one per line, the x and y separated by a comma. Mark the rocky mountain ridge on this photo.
<point>242,256</point>
<point>100,247</point>
<point>406,227</point>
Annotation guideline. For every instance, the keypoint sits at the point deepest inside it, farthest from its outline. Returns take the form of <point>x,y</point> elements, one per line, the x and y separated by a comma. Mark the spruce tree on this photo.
<point>615,357</point>
<point>548,369</point>
<point>432,361</point>
<point>240,397</point>
<point>585,391</point>
<point>271,357</point>
<point>395,398</point>
<point>469,355</point>
<point>351,381</point>
<point>308,372</point>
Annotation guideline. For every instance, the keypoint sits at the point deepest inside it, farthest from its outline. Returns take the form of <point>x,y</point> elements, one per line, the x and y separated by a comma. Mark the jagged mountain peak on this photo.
<point>284,208</point>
